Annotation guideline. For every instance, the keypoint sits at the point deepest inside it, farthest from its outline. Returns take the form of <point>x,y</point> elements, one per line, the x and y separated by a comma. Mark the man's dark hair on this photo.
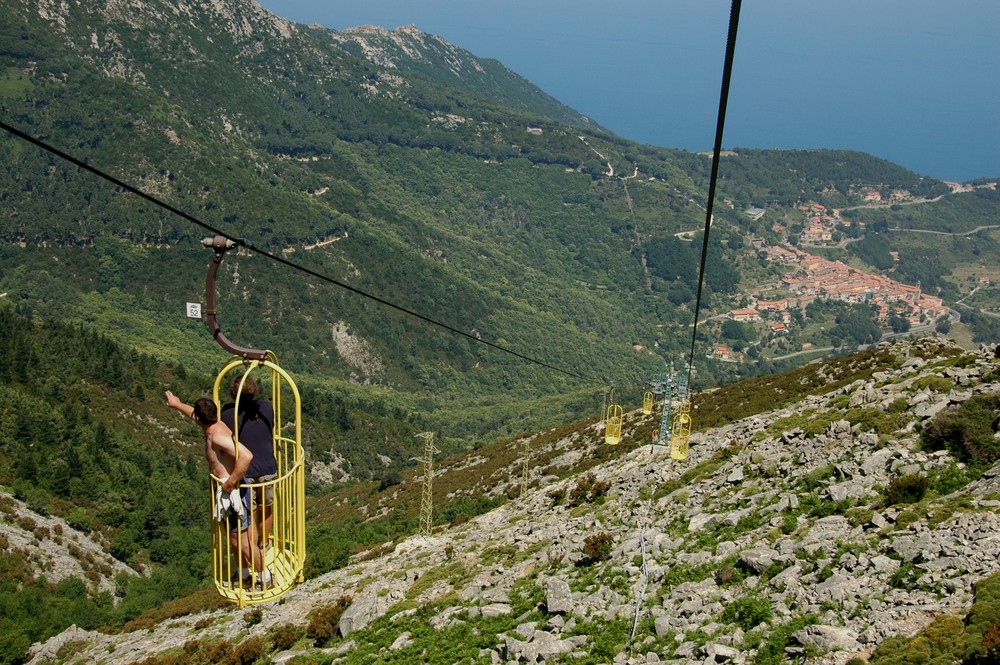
<point>205,411</point>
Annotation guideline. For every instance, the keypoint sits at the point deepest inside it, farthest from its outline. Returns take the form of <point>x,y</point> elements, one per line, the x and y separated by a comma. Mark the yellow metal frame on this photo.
<point>613,425</point>
<point>680,432</point>
<point>647,403</point>
<point>285,557</point>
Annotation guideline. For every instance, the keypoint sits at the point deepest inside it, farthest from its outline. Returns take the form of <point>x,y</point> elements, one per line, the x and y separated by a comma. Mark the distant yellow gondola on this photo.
<point>613,425</point>
<point>680,432</point>
<point>647,404</point>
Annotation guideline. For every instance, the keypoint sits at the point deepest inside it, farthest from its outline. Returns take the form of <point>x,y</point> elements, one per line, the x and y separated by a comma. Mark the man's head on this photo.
<point>249,388</point>
<point>205,411</point>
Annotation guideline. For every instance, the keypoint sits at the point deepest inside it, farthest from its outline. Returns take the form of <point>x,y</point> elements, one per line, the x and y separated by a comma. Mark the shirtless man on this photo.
<point>225,464</point>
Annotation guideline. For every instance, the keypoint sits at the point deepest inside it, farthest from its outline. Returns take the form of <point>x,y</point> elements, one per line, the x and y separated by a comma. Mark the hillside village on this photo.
<point>821,278</point>
<point>812,278</point>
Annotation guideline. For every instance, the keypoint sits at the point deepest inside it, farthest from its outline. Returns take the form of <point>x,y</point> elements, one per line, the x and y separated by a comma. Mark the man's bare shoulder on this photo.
<point>219,434</point>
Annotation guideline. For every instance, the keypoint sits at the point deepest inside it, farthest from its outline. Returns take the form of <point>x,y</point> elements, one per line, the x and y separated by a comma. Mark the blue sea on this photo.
<point>912,81</point>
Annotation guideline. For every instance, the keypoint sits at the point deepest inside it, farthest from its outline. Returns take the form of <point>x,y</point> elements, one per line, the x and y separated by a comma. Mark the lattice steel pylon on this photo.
<point>525,450</point>
<point>427,495</point>
<point>609,398</point>
<point>669,386</point>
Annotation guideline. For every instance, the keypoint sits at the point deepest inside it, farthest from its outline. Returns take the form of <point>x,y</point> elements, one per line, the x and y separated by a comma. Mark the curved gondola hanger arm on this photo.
<point>220,245</point>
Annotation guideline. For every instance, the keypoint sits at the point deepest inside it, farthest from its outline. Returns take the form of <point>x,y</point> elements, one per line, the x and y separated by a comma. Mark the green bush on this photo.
<point>905,577</point>
<point>253,617</point>
<point>875,420</point>
<point>817,477</point>
<point>771,651</point>
<point>938,384</point>
<point>729,574</point>
<point>909,488</point>
<point>325,622</point>
<point>941,643</point>
<point>748,612</point>
<point>967,432</point>
<point>285,636</point>
<point>947,479</point>
<point>597,548</point>
<point>247,652</point>
<point>588,490</point>
<point>983,623</point>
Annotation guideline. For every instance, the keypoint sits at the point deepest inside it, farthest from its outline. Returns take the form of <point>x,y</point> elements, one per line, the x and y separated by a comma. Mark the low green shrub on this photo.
<point>982,626</point>
<point>325,621</point>
<point>967,432</point>
<point>909,488</point>
<point>938,384</point>
<point>729,573</point>
<point>597,548</point>
<point>947,479</point>
<point>285,636</point>
<point>771,648</point>
<point>253,617</point>
<point>941,643</point>
<point>875,420</point>
<point>588,490</point>
<point>748,612</point>
<point>905,577</point>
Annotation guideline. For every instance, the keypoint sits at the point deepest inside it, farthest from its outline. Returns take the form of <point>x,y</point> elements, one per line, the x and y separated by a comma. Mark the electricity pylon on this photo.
<point>525,449</point>
<point>669,386</point>
<point>427,496</point>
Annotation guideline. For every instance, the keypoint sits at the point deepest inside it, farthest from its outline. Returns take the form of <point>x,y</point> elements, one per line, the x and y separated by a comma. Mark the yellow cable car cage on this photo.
<point>613,425</point>
<point>276,532</point>
<point>680,432</point>
<point>647,404</point>
<point>258,555</point>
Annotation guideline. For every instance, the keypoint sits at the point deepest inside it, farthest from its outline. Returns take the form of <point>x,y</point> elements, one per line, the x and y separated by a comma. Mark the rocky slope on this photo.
<point>52,546</point>
<point>775,533</point>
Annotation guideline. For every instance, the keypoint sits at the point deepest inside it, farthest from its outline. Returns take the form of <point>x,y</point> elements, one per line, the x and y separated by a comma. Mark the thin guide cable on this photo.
<point>727,71</point>
<point>246,244</point>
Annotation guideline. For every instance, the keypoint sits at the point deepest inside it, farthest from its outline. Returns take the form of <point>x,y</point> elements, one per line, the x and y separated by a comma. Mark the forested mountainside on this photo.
<point>406,168</point>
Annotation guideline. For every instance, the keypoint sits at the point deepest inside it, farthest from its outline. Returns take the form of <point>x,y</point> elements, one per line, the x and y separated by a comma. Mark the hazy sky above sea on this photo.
<point>916,82</point>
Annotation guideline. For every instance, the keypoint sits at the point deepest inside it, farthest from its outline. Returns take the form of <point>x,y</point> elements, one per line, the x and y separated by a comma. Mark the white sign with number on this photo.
<point>194,310</point>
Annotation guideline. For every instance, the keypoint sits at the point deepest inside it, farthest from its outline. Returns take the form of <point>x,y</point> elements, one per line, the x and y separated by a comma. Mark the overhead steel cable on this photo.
<point>727,71</point>
<point>242,242</point>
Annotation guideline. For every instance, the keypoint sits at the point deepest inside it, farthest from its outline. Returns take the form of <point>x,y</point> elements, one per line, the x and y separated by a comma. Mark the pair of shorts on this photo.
<point>234,520</point>
<point>262,495</point>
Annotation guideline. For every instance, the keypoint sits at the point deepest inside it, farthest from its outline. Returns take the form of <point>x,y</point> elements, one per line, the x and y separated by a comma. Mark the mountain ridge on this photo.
<point>408,49</point>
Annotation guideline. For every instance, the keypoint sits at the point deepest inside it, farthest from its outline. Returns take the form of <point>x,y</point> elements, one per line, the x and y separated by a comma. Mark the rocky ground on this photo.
<point>772,520</point>
<point>55,548</point>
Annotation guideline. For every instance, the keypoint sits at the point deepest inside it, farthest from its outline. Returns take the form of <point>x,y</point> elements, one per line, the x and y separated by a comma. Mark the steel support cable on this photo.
<point>246,244</point>
<point>734,19</point>
<point>645,572</point>
<point>727,70</point>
